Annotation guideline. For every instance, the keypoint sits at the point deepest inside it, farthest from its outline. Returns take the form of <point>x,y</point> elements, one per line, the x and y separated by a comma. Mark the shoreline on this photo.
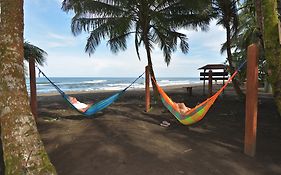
<point>167,87</point>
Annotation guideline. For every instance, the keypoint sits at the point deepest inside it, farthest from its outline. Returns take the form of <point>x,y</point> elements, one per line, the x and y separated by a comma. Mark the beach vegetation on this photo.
<point>23,150</point>
<point>227,16</point>
<point>259,24</point>
<point>151,23</point>
<point>249,32</point>
<point>33,52</point>
<point>272,48</point>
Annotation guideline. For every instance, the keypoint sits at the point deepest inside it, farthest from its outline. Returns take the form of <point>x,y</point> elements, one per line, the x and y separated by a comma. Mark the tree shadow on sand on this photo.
<point>123,139</point>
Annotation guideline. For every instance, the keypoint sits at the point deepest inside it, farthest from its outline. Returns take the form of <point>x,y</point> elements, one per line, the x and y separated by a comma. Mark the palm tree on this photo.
<point>34,52</point>
<point>272,48</point>
<point>249,32</point>
<point>227,16</point>
<point>34,55</point>
<point>23,150</point>
<point>151,22</point>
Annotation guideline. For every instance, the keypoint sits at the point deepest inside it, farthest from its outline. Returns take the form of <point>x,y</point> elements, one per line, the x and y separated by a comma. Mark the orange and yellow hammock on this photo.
<point>195,114</point>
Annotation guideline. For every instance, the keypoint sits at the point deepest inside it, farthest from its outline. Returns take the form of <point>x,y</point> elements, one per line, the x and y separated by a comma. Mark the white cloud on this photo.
<point>210,40</point>
<point>58,40</point>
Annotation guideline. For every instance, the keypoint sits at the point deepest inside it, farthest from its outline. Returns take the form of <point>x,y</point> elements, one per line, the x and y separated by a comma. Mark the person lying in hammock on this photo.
<point>182,108</point>
<point>78,105</point>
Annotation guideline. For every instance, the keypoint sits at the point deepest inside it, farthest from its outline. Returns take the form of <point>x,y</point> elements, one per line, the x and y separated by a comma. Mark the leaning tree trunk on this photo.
<point>24,152</point>
<point>272,48</point>
<point>231,66</point>
<point>151,71</point>
<point>148,55</point>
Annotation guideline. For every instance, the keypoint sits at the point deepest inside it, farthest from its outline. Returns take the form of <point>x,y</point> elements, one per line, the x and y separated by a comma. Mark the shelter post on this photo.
<point>251,101</point>
<point>216,75</point>
<point>204,82</point>
<point>210,83</point>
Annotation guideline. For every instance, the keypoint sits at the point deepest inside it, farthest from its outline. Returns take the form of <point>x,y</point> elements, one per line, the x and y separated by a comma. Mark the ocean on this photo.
<point>68,84</point>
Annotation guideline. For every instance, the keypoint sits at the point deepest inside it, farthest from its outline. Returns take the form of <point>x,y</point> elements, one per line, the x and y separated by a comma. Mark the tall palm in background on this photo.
<point>227,16</point>
<point>34,55</point>
<point>249,32</point>
<point>150,22</point>
<point>34,52</point>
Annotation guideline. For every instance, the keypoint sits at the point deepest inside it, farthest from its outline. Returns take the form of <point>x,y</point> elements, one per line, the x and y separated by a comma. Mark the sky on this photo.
<point>48,27</point>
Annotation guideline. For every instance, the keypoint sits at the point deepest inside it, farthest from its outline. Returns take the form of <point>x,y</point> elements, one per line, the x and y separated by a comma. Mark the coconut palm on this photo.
<point>151,22</point>
<point>227,16</point>
<point>34,55</point>
<point>34,52</point>
<point>23,150</point>
<point>248,33</point>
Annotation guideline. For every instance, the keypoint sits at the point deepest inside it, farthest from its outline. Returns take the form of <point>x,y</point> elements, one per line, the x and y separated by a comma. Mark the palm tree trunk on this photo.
<point>231,66</point>
<point>149,63</point>
<point>24,152</point>
<point>272,48</point>
<point>2,164</point>
<point>33,96</point>
<point>259,18</point>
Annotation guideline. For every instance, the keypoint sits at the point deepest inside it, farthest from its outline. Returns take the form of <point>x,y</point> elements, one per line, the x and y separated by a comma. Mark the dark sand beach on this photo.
<point>125,140</point>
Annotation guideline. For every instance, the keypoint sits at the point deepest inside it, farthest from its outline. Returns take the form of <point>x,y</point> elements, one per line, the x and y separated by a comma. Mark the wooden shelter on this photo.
<point>213,72</point>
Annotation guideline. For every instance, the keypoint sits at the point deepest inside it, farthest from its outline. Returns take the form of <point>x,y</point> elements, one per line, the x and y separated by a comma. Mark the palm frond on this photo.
<point>34,52</point>
<point>153,22</point>
<point>137,40</point>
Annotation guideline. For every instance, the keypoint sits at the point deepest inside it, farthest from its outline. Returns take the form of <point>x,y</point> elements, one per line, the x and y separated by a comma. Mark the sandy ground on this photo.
<point>125,140</point>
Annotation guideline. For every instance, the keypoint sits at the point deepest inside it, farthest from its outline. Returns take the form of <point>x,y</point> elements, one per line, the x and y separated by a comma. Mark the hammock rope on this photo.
<point>199,111</point>
<point>94,108</point>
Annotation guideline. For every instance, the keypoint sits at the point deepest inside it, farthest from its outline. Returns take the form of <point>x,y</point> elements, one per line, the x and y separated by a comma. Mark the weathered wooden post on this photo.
<point>251,101</point>
<point>210,84</point>
<point>204,82</point>
<point>33,95</point>
<point>147,90</point>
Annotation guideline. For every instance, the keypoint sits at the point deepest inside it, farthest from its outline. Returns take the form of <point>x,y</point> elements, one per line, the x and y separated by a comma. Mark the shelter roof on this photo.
<point>213,66</point>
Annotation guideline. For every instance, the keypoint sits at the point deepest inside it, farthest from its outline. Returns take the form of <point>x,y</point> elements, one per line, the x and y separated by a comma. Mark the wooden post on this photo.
<point>251,101</point>
<point>147,90</point>
<point>33,95</point>
<point>223,80</point>
<point>204,82</point>
<point>210,84</point>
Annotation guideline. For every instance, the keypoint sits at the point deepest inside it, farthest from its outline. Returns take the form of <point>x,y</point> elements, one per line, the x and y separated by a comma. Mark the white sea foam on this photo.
<point>112,84</point>
<point>115,88</point>
<point>94,81</point>
<point>171,83</point>
<point>118,84</point>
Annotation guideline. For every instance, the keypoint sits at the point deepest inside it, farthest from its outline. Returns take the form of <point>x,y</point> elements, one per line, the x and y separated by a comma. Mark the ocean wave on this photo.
<point>112,88</point>
<point>43,84</point>
<point>110,84</point>
<point>94,81</point>
<point>119,84</point>
<point>171,83</point>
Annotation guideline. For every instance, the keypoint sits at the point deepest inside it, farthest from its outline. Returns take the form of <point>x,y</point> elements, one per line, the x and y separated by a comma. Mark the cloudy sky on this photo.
<point>48,27</point>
